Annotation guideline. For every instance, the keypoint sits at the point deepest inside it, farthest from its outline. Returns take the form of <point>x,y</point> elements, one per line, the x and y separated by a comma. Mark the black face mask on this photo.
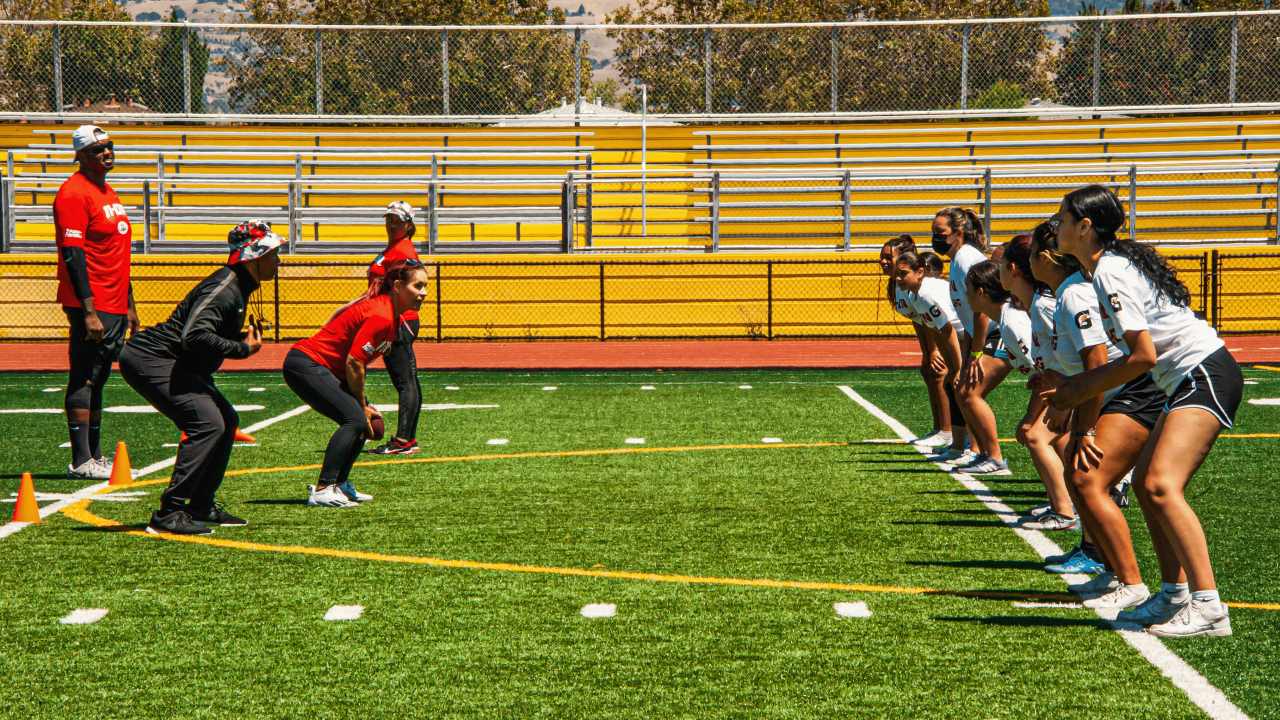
<point>940,243</point>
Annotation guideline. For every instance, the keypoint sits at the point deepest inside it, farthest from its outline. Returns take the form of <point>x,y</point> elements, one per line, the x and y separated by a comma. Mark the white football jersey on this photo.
<point>1042,308</point>
<point>1015,330</point>
<point>933,304</point>
<point>966,257</point>
<point>1077,325</point>
<point>905,304</point>
<point>1128,301</point>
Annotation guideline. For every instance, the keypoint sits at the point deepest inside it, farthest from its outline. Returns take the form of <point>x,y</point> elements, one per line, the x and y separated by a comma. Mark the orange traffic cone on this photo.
<point>121,474</point>
<point>182,438</point>
<point>26,509</point>
<point>241,436</point>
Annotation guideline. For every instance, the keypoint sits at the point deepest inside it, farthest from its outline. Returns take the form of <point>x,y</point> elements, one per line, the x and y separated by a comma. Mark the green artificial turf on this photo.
<point>199,631</point>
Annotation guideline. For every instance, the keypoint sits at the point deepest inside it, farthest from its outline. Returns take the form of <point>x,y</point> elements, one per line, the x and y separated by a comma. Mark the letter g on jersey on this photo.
<point>1114,299</point>
<point>1083,320</point>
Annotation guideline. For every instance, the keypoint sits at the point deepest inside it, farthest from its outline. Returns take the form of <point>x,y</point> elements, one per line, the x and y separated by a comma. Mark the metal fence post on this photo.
<point>319,75</point>
<point>590,219</point>
<point>57,68</point>
<point>186,69</point>
<point>439,305</point>
<point>146,217</point>
<point>845,199</point>
<point>1235,40</point>
<point>835,67</point>
<point>964,69</point>
<point>1097,62</point>
<point>602,302</point>
<point>1133,202</point>
<point>293,205</point>
<point>565,241</point>
<point>770,290</point>
<point>275,286</point>
<point>577,74</point>
<point>433,223</point>
<point>706,66</point>
<point>4,214</point>
<point>12,226</point>
<point>986,202</point>
<point>160,233</point>
<point>444,68</point>
<point>1214,311</point>
<point>715,211</point>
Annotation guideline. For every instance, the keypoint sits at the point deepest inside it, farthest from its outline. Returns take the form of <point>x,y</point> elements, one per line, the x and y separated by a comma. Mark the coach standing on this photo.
<point>172,366</point>
<point>94,240</point>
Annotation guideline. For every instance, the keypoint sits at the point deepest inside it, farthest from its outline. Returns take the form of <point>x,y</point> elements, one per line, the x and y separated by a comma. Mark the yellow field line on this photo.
<point>1266,367</point>
<point>516,456</point>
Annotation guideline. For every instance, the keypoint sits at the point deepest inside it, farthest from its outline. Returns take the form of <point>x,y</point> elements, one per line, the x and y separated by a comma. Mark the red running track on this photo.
<point>620,355</point>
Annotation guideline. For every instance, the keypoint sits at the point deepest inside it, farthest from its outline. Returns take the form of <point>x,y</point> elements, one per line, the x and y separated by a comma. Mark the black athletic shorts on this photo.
<point>1140,399</point>
<point>87,357</point>
<point>1216,385</point>
<point>994,346</point>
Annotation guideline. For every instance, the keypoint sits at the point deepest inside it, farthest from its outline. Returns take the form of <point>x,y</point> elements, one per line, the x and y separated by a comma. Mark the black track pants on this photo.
<point>329,396</point>
<point>402,366</point>
<point>194,404</point>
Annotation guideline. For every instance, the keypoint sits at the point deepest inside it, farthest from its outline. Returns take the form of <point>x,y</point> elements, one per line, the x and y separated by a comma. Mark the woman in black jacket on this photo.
<point>172,366</point>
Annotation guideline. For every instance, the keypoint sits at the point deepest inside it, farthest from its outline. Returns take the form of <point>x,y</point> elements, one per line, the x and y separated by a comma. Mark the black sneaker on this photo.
<point>396,447</point>
<point>217,517</point>
<point>1120,495</point>
<point>177,522</point>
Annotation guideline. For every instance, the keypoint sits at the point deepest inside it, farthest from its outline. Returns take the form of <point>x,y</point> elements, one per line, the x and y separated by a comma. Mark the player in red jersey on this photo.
<point>402,364</point>
<point>94,239</point>
<point>327,371</point>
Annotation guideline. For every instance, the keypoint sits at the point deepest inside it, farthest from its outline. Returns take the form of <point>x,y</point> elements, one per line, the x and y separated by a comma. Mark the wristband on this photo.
<point>976,354</point>
<point>1084,433</point>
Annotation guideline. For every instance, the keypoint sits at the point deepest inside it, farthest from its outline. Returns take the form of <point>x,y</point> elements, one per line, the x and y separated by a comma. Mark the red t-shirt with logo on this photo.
<point>403,249</point>
<point>364,331</point>
<point>92,218</point>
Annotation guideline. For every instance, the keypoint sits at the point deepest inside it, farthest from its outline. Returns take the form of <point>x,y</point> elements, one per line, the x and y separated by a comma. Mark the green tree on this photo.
<point>169,86</point>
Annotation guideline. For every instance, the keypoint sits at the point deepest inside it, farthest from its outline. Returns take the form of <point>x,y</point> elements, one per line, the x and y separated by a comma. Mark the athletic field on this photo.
<point>726,516</point>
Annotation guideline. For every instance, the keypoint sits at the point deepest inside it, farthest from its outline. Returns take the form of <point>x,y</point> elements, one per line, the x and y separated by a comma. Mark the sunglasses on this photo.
<point>413,262</point>
<point>96,150</point>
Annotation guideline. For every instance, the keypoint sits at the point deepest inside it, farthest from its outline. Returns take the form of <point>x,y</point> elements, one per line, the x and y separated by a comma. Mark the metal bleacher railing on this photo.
<point>1126,63</point>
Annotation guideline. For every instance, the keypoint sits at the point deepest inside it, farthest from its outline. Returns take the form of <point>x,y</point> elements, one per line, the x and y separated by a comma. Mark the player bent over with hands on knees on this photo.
<point>327,371</point>
<point>94,240</point>
<point>1145,311</point>
<point>171,365</point>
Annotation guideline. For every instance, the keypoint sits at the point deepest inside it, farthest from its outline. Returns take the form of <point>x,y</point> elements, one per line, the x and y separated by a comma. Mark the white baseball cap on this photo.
<point>86,135</point>
<point>400,209</point>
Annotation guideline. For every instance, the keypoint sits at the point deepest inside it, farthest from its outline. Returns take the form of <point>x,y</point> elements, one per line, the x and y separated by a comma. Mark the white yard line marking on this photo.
<point>84,616</point>
<point>1265,401</point>
<point>33,411</point>
<point>770,440</point>
<point>53,389</point>
<point>65,444</point>
<point>744,387</point>
<point>549,387</point>
<point>852,609</point>
<point>344,612</point>
<point>497,441</point>
<point>257,389</point>
<point>1250,382</point>
<point>438,406</point>
<point>599,610</point>
<point>1207,697</point>
<point>451,388</point>
<point>635,441</point>
<point>650,387</point>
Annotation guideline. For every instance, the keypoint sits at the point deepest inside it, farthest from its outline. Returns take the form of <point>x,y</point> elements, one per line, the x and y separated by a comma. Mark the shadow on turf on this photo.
<point>952,523</point>
<point>983,564</point>
<point>110,528</point>
<point>1015,493</point>
<point>279,501</point>
<point>35,476</point>
<point>1030,621</point>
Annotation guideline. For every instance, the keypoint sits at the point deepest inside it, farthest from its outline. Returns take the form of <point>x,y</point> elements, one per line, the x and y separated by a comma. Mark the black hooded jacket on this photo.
<point>204,328</point>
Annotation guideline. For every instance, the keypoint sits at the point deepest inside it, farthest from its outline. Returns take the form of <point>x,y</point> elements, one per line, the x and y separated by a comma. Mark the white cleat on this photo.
<point>1124,596</point>
<point>1101,584</point>
<point>1193,620</point>
<point>90,470</point>
<point>1052,521</point>
<point>937,438</point>
<point>329,496</point>
<point>1038,511</point>
<point>352,494</point>
<point>1159,608</point>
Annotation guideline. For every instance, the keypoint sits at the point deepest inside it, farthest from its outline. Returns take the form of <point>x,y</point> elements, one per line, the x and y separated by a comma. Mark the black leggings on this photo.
<point>321,389</point>
<point>402,366</point>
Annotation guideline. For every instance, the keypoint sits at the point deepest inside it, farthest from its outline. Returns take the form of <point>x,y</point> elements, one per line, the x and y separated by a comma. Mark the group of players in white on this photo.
<point>1127,385</point>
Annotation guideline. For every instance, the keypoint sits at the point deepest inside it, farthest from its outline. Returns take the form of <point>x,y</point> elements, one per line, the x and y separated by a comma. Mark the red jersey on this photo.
<point>364,331</point>
<point>87,217</point>
<point>402,250</point>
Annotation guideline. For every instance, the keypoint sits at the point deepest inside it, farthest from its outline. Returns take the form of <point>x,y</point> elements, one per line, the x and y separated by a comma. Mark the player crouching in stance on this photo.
<point>171,365</point>
<point>327,371</point>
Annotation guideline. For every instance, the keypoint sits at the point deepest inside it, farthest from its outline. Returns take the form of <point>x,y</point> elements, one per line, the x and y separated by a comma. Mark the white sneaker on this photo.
<point>1052,521</point>
<point>1037,512</point>
<point>1159,608</point>
<point>937,438</point>
<point>329,496</point>
<point>1101,584</point>
<point>1124,596</point>
<point>89,470</point>
<point>1192,621</point>
<point>352,494</point>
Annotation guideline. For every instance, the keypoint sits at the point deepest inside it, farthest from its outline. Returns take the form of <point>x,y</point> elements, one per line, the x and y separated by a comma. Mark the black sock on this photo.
<point>79,432</point>
<point>95,439</point>
<point>1090,551</point>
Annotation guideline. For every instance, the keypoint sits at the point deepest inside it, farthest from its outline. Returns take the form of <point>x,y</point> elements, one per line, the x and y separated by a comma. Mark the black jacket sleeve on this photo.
<point>200,332</point>
<point>77,271</point>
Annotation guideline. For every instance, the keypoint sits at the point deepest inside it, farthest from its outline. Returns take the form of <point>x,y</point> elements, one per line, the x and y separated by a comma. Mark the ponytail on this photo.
<point>967,221</point>
<point>1106,215</point>
<point>932,264</point>
<point>985,276</point>
<point>401,270</point>
<point>1045,240</point>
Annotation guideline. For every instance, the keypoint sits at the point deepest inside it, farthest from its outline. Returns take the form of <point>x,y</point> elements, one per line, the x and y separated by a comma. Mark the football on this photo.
<point>379,427</point>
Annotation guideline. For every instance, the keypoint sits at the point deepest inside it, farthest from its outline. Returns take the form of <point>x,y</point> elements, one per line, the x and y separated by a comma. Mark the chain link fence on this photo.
<point>969,66</point>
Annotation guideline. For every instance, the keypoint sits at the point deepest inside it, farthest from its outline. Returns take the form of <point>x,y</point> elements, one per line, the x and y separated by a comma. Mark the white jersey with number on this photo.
<point>966,257</point>
<point>1042,309</point>
<point>905,304</point>
<point>933,304</point>
<point>1077,325</point>
<point>1015,330</point>
<point>1128,302</point>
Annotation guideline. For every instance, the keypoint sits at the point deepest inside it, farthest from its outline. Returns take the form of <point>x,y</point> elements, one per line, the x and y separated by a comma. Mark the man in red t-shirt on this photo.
<point>94,239</point>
